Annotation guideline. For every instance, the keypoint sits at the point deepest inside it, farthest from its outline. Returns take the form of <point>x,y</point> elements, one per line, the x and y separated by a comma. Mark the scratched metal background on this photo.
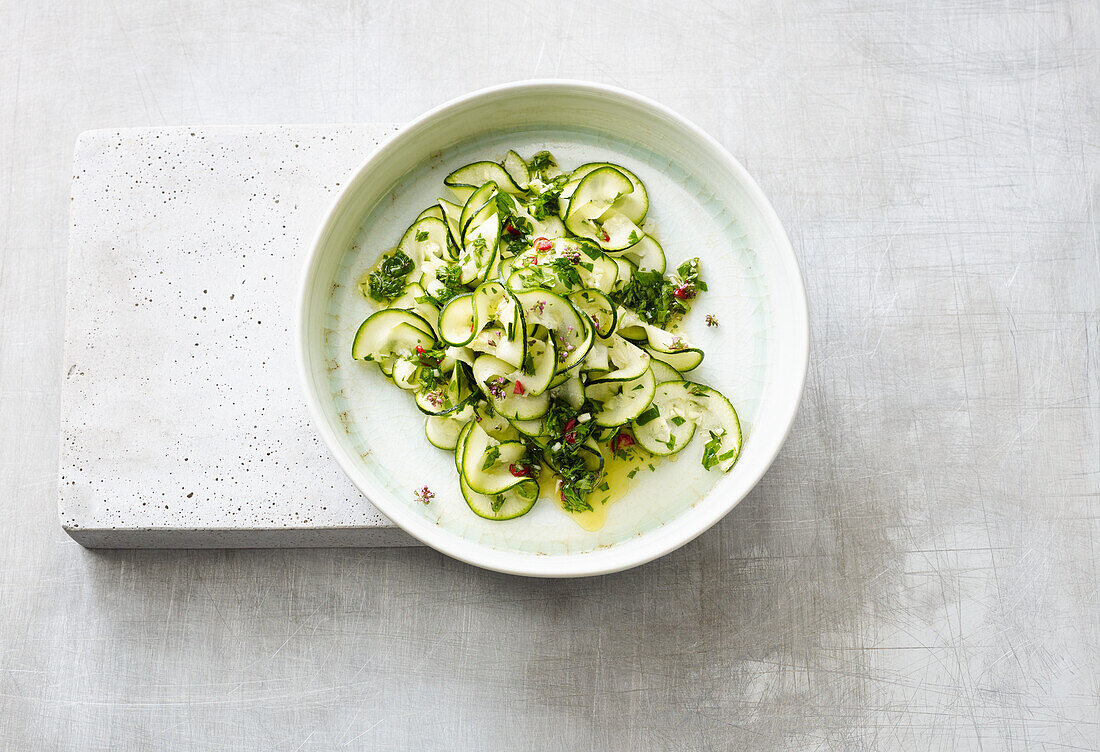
<point>918,571</point>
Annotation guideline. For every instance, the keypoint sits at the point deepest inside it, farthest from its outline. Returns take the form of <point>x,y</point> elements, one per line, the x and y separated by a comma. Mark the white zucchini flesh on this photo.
<point>596,193</point>
<point>477,174</point>
<point>412,300</point>
<point>621,401</point>
<point>672,348</point>
<point>452,215</point>
<point>535,268</point>
<point>634,205</point>
<point>443,430</point>
<point>670,421</point>
<point>647,255</point>
<point>391,332</point>
<point>485,474</point>
<point>465,316</point>
<point>679,408</point>
<point>543,366</point>
<point>496,379</point>
<point>619,360</point>
<point>682,359</point>
<point>598,308</point>
<point>446,399</point>
<point>570,391</point>
<point>480,250</point>
<point>593,213</point>
<point>477,201</point>
<point>516,168</point>
<point>625,269</point>
<point>572,335</point>
<point>663,372</point>
<point>515,502</point>
<point>431,211</point>
<point>425,239</point>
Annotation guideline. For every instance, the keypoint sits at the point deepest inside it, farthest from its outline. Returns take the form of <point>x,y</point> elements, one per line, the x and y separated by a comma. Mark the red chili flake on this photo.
<point>543,244</point>
<point>604,236</point>
<point>622,439</point>
<point>518,388</point>
<point>569,426</point>
<point>510,228</point>
<point>571,437</point>
<point>519,471</point>
<point>419,350</point>
<point>684,292</point>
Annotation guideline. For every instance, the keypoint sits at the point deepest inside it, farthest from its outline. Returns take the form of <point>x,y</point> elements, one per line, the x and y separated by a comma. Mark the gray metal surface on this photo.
<point>919,569</point>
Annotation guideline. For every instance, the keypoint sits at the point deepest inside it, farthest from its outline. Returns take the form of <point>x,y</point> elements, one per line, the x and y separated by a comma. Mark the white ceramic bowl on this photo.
<point>702,203</point>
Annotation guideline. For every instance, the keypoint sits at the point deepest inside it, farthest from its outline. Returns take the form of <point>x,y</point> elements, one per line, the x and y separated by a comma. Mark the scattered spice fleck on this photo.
<point>712,320</point>
<point>425,495</point>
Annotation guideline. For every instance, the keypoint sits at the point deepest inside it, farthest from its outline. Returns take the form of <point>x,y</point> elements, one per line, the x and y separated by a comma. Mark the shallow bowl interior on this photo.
<point>702,204</point>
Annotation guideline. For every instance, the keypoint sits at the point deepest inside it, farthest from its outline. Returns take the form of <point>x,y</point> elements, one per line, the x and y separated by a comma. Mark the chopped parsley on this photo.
<point>492,454</point>
<point>387,281</point>
<point>545,203</point>
<point>421,236</point>
<point>566,271</point>
<point>710,451</point>
<point>658,299</point>
<point>567,454</point>
<point>541,165</point>
<point>508,212</point>
<point>450,277</point>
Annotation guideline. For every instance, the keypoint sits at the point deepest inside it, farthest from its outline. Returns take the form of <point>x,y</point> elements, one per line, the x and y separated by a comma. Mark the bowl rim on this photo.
<point>623,555</point>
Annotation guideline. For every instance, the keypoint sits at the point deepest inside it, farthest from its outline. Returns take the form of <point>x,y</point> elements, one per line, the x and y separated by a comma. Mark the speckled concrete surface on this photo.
<point>918,570</point>
<point>183,423</point>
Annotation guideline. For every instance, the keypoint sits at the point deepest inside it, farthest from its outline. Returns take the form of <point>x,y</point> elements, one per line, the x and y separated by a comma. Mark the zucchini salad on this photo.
<point>534,322</point>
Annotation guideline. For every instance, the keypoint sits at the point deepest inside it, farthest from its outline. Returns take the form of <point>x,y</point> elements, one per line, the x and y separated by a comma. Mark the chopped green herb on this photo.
<point>677,420</point>
<point>492,454</point>
<point>604,487</point>
<point>541,164</point>
<point>657,299</point>
<point>632,473</point>
<point>387,280</point>
<point>421,236</point>
<point>545,203</point>
<point>497,502</point>
<point>566,272</point>
<point>451,278</point>
<point>648,415</point>
<point>710,451</point>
